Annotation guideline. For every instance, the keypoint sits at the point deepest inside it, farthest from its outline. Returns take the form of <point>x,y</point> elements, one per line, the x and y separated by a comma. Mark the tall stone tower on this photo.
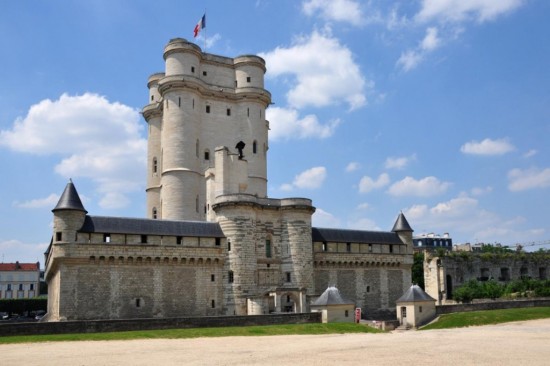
<point>201,102</point>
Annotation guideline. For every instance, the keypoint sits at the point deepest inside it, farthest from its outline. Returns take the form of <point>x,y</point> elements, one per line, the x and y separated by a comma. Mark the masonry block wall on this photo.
<point>444,274</point>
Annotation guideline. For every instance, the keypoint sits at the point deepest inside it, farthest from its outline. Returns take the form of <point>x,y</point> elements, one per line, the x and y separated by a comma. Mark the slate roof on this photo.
<point>19,266</point>
<point>401,224</point>
<point>126,225</point>
<point>70,200</point>
<point>354,236</point>
<point>415,293</point>
<point>331,296</point>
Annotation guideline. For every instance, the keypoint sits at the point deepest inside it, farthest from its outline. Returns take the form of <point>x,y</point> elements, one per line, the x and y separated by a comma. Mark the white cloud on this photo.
<point>49,201</point>
<point>479,191</point>
<point>367,184</point>
<point>322,218</point>
<point>487,147</point>
<point>400,162</point>
<point>425,187</point>
<point>521,180</point>
<point>309,179</point>
<point>463,217</point>
<point>462,10</point>
<point>353,166</point>
<point>15,250</point>
<point>319,81</point>
<point>412,58</point>
<point>530,153</point>
<point>95,138</point>
<point>336,10</point>
<point>286,124</point>
<point>363,206</point>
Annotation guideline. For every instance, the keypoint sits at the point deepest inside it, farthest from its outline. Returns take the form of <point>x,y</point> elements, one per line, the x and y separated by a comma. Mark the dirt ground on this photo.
<point>519,343</point>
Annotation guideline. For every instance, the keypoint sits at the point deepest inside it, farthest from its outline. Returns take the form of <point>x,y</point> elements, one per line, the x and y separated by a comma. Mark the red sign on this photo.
<point>357,315</point>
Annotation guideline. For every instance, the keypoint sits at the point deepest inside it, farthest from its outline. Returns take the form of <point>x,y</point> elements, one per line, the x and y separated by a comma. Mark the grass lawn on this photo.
<point>457,320</point>
<point>331,328</point>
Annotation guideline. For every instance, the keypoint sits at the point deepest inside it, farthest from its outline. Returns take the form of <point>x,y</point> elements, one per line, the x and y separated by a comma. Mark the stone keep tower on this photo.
<point>200,102</point>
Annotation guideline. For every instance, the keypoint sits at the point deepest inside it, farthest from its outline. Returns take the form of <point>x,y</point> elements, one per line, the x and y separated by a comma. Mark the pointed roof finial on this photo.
<point>401,224</point>
<point>70,200</point>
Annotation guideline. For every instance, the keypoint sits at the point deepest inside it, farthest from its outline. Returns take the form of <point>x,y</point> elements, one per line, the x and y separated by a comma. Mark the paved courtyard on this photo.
<point>519,343</point>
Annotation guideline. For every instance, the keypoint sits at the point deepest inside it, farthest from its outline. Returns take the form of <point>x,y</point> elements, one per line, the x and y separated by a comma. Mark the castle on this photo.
<point>213,243</point>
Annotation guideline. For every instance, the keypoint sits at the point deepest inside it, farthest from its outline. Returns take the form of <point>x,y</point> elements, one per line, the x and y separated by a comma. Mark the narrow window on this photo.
<point>197,204</point>
<point>287,298</point>
<point>348,247</point>
<point>268,265</point>
<point>106,238</point>
<point>370,248</point>
<point>192,69</point>
<point>206,155</point>
<point>197,148</point>
<point>248,112</point>
<point>144,239</point>
<point>391,248</point>
<point>58,236</point>
<point>193,103</point>
<point>213,304</point>
<point>324,246</point>
<point>368,289</point>
<point>212,278</point>
<point>218,242</point>
<point>268,248</point>
<point>138,303</point>
<point>254,147</point>
<point>154,213</point>
<point>20,287</point>
<point>207,109</point>
<point>204,73</point>
<point>228,111</point>
<point>228,245</point>
<point>248,79</point>
<point>235,83</point>
<point>155,165</point>
<point>31,287</point>
<point>9,287</point>
<point>179,240</point>
<point>152,97</point>
<point>179,101</point>
<point>420,309</point>
<point>346,314</point>
<point>230,277</point>
<point>288,277</point>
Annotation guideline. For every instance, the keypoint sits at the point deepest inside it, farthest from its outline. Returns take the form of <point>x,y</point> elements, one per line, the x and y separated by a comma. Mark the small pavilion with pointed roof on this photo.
<point>334,307</point>
<point>415,308</point>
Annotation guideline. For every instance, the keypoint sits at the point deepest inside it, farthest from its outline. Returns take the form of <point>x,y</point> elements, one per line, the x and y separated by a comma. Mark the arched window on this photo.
<point>154,213</point>
<point>254,147</point>
<point>155,165</point>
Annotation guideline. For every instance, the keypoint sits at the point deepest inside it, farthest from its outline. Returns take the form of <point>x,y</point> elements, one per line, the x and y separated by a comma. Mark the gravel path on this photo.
<point>519,343</point>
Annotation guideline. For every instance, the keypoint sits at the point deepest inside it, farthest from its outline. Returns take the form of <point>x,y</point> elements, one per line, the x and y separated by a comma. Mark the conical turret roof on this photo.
<point>401,224</point>
<point>70,200</point>
<point>331,296</point>
<point>415,293</point>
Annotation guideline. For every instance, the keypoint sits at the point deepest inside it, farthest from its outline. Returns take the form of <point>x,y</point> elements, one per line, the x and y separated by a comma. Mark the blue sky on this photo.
<point>438,108</point>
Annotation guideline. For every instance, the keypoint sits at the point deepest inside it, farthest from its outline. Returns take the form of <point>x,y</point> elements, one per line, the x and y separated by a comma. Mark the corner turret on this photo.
<point>404,231</point>
<point>69,215</point>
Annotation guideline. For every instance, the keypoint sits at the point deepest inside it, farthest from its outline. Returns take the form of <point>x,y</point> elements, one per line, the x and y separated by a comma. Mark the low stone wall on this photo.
<point>99,326</point>
<point>492,305</point>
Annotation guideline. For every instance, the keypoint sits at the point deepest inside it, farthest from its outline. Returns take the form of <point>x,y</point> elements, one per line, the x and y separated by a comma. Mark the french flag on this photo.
<point>200,25</point>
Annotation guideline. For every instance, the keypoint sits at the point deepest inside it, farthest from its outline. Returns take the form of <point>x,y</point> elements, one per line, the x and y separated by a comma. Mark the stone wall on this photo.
<point>492,305</point>
<point>444,274</point>
<point>97,326</point>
